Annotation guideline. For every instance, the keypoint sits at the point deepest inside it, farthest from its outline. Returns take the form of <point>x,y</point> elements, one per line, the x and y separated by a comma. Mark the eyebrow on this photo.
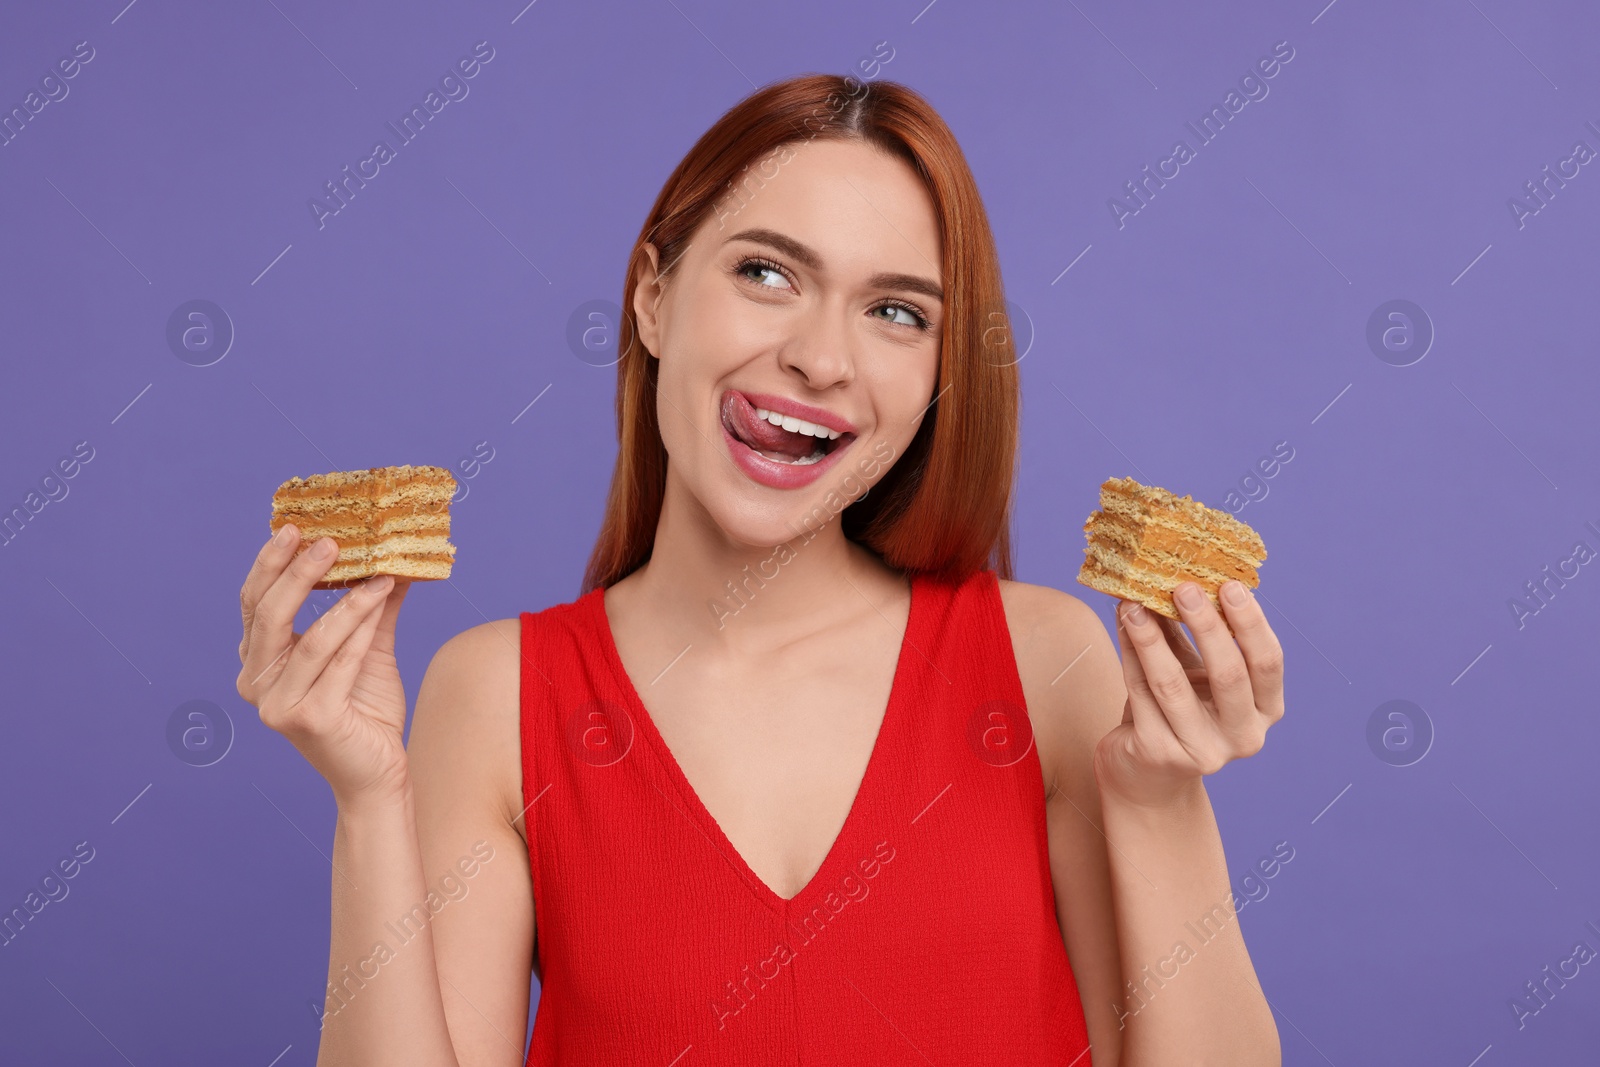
<point>807,257</point>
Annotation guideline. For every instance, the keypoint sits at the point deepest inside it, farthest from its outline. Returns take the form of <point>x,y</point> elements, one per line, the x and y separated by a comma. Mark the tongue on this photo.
<point>761,435</point>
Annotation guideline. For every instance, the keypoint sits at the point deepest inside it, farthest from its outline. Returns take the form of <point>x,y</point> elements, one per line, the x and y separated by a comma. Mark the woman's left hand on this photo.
<point>1190,712</point>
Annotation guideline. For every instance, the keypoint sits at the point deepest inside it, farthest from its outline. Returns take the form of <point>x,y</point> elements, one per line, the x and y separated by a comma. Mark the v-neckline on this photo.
<point>697,810</point>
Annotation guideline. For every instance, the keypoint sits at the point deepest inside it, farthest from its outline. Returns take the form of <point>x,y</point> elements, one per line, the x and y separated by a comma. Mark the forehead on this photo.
<point>862,209</point>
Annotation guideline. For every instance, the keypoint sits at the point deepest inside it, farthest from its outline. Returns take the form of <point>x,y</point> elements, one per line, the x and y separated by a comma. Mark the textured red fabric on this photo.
<point>928,935</point>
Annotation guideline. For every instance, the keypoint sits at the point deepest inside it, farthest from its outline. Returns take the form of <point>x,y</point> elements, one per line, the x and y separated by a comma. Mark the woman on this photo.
<point>779,788</point>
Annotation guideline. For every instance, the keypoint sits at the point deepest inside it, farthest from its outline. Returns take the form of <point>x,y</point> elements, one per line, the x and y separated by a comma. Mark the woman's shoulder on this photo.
<point>1068,664</point>
<point>489,655</point>
<point>1041,614</point>
<point>1039,618</point>
<point>483,646</point>
<point>481,667</point>
<point>498,642</point>
<point>475,671</point>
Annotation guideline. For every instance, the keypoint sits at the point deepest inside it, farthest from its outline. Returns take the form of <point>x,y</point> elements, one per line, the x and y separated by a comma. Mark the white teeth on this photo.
<point>804,461</point>
<point>794,425</point>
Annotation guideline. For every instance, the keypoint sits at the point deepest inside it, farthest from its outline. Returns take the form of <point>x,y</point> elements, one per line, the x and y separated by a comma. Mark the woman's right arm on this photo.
<point>445,894</point>
<point>432,904</point>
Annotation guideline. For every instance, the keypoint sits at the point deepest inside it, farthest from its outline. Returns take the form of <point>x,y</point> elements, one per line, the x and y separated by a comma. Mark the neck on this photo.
<point>716,591</point>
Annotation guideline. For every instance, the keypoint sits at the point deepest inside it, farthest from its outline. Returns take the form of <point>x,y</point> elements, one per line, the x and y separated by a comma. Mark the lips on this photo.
<point>771,455</point>
<point>762,436</point>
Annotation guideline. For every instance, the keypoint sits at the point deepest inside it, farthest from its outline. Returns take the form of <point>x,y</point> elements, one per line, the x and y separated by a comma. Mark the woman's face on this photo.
<point>813,294</point>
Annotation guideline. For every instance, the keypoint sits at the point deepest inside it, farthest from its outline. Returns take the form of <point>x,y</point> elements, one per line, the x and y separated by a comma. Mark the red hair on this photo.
<point>945,504</point>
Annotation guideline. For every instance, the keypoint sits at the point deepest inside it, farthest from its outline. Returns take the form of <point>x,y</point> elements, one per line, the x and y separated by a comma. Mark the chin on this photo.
<point>759,525</point>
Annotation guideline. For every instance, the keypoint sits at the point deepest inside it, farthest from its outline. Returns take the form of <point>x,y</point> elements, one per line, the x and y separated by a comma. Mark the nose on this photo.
<point>822,349</point>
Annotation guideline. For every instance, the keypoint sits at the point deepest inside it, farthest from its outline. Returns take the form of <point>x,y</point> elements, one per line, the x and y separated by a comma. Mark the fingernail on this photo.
<point>1133,615</point>
<point>378,584</point>
<point>1188,595</point>
<point>324,548</point>
<point>285,532</point>
<point>1234,593</point>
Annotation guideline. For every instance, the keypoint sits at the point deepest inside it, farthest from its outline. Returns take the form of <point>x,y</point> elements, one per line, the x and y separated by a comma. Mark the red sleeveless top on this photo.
<point>928,935</point>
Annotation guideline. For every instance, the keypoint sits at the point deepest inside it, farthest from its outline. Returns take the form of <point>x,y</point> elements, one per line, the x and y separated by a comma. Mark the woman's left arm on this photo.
<point>1189,992</point>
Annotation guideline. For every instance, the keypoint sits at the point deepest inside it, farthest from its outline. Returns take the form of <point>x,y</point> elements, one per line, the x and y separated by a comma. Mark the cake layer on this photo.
<point>374,481</point>
<point>1158,577</point>
<point>342,574</point>
<point>1164,547</point>
<point>352,526</point>
<point>386,520</point>
<point>1145,541</point>
<point>377,487</point>
<point>1179,568</point>
<point>335,511</point>
<point>1154,596</point>
<point>393,546</point>
<point>1157,507</point>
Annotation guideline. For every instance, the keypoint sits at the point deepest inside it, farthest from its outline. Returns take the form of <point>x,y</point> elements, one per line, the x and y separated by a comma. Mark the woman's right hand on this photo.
<point>335,691</point>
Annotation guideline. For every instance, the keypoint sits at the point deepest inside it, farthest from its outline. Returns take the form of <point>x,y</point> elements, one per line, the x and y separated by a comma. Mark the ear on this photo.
<point>647,291</point>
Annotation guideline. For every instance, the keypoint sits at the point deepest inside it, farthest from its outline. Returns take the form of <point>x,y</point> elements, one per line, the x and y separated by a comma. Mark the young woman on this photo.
<point>802,776</point>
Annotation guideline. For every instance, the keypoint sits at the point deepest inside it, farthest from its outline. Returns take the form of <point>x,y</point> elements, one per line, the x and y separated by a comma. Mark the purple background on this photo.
<point>1228,315</point>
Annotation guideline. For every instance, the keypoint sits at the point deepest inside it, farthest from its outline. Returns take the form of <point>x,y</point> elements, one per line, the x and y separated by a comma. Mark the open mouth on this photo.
<point>779,438</point>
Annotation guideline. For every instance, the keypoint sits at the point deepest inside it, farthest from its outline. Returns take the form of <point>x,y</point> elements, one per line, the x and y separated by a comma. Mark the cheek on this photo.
<point>904,382</point>
<point>712,331</point>
<point>676,376</point>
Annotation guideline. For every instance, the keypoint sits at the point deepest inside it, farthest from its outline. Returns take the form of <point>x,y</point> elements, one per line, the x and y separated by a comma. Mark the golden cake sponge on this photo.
<point>386,520</point>
<point>1144,542</point>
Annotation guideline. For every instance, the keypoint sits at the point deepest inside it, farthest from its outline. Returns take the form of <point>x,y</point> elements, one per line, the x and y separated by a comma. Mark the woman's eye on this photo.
<point>899,315</point>
<point>774,279</point>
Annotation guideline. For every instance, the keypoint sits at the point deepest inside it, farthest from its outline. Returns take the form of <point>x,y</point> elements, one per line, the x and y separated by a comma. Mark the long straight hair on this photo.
<point>945,504</point>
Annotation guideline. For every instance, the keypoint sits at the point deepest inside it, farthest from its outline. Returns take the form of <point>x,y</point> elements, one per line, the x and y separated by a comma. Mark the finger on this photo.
<point>319,644</point>
<point>1263,654</point>
<point>1151,731</point>
<point>272,621</point>
<point>1179,642</point>
<point>268,565</point>
<point>339,676</point>
<point>1140,708</point>
<point>1164,703</point>
<point>1225,667</point>
<point>1162,682</point>
<point>383,638</point>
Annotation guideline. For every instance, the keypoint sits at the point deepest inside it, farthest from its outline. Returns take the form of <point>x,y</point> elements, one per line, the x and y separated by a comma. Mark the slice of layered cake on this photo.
<point>387,520</point>
<point>1144,542</point>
